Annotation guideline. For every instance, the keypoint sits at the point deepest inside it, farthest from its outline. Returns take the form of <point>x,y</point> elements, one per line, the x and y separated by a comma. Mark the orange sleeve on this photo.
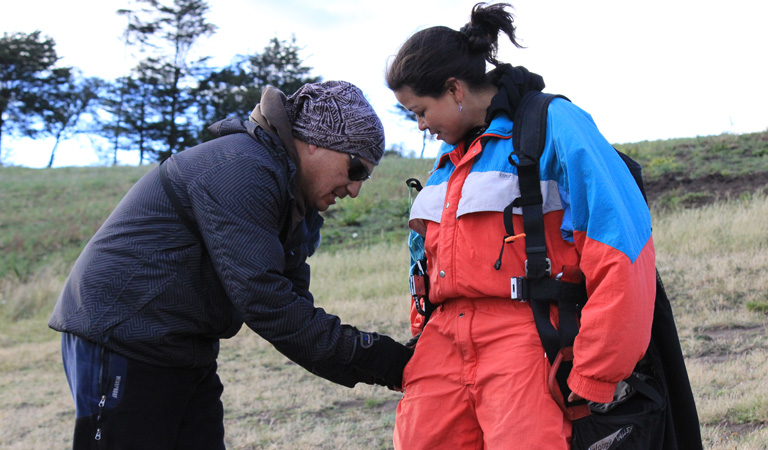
<point>616,321</point>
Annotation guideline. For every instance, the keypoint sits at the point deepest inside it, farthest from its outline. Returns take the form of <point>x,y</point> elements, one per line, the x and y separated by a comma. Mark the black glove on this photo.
<point>341,374</point>
<point>411,343</point>
<point>379,356</point>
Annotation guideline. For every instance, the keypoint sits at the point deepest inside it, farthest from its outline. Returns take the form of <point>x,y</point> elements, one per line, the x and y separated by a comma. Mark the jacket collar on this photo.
<point>271,116</point>
<point>501,127</point>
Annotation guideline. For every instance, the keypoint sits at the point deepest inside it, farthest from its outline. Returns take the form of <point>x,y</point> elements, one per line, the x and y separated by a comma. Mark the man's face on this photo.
<point>325,176</point>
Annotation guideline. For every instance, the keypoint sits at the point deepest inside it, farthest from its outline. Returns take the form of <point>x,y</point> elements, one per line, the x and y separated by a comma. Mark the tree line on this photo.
<point>164,103</point>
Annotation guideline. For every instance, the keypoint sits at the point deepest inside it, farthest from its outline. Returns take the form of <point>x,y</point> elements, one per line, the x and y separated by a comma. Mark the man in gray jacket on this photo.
<point>217,236</point>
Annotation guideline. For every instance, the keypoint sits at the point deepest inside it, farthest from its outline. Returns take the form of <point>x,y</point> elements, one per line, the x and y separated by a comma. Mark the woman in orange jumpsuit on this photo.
<point>478,378</point>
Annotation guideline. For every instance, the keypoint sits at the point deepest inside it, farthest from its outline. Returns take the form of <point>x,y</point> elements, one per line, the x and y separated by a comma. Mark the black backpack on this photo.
<point>654,408</point>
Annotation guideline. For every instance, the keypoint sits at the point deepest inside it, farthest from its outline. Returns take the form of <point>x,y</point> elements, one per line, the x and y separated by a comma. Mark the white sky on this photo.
<point>649,70</point>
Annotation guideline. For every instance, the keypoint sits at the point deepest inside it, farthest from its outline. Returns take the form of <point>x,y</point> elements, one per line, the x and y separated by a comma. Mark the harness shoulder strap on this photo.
<point>529,135</point>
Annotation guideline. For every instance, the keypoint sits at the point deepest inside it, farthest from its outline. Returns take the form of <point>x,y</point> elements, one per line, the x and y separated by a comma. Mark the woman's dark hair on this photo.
<point>431,56</point>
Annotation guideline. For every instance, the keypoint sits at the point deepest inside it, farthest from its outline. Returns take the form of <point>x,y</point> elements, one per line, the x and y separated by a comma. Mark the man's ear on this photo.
<point>312,148</point>
<point>304,151</point>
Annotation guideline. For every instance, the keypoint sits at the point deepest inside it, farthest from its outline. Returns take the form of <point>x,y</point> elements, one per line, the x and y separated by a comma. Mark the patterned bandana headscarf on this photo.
<point>335,115</point>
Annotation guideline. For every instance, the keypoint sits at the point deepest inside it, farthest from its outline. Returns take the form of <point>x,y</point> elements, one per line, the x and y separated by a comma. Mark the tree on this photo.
<point>168,108</point>
<point>223,94</point>
<point>113,104</point>
<point>236,89</point>
<point>170,31</point>
<point>132,119</point>
<point>25,60</point>
<point>411,116</point>
<point>61,100</point>
<point>279,65</point>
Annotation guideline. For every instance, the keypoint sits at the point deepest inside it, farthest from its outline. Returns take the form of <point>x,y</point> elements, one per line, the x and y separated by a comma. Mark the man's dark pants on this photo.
<point>121,403</point>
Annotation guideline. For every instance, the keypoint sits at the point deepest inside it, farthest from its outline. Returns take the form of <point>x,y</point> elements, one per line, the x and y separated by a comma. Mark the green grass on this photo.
<point>380,213</point>
<point>50,214</point>
<point>726,154</point>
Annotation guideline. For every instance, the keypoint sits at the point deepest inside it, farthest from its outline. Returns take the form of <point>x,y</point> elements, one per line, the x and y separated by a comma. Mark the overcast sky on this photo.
<point>649,70</point>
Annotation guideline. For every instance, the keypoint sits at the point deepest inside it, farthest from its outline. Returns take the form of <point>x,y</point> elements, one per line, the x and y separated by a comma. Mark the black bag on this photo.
<point>635,427</point>
<point>634,420</point>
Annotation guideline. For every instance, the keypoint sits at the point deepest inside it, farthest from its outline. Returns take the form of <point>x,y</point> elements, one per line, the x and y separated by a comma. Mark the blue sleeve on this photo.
<point>599,193</point>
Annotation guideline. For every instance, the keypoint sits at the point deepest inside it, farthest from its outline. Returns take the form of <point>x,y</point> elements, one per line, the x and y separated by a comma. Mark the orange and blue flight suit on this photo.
<point>478,377</point>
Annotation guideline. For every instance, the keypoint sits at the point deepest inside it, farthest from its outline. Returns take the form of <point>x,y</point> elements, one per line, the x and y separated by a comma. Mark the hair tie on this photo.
<point>476,37</point>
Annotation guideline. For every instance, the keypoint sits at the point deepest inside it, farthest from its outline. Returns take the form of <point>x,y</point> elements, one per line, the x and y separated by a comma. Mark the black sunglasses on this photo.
<point>357,170</point>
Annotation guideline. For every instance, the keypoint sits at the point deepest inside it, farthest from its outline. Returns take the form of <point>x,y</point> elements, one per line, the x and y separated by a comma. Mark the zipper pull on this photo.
<point>102,402</point>
<point>98,434</point>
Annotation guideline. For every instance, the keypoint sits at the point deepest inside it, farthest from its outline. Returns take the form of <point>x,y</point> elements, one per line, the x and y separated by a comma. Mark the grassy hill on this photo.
<point>49,214</point>
<point>695,171</point>
<point>709,200</point>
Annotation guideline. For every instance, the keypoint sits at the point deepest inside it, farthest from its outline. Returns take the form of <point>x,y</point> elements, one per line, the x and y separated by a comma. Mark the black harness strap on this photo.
<point>528,138</point>
<point>528,141</point>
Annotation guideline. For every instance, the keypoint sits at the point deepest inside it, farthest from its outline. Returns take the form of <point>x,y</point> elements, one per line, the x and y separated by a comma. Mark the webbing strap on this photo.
<point>550,338</point>
<point>569,298</point>
<point>533,222</point>
<point>644,388</point>
<point>528,140</point>
<point>547,289</point>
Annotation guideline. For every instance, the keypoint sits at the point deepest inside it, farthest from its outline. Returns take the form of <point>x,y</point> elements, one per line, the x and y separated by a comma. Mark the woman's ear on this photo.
<point>454,86</point>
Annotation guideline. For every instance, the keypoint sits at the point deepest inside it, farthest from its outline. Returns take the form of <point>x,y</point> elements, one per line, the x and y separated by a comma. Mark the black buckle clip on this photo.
<point>547,271</point>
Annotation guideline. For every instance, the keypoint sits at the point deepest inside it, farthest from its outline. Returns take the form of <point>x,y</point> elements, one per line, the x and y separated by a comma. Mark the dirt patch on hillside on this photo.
<point>726,343</point>
<point>706,189</point>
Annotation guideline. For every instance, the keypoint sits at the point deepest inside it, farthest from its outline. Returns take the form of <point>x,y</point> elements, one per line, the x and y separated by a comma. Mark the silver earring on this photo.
<point>460,107</point>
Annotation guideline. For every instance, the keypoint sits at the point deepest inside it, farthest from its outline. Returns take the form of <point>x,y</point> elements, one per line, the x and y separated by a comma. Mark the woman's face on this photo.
<point>441,115</point>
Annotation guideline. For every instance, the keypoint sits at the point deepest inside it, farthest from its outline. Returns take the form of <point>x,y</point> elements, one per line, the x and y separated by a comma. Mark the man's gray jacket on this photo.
<point>146,288</point>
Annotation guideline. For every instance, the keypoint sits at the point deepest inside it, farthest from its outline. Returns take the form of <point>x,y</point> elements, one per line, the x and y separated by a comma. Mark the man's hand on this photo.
<point>381,357</point>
